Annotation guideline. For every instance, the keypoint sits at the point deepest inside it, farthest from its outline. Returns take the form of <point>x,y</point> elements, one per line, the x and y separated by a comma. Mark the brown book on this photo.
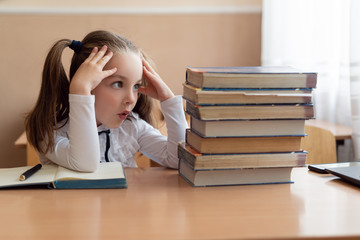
<point>199,161</point>
<point>245,96</point>
<point>227,112</point>
<point>250,77</point>
<point>214,145</point>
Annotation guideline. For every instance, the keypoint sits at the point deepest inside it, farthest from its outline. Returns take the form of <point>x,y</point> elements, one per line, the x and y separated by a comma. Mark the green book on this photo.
<point>108,175</point>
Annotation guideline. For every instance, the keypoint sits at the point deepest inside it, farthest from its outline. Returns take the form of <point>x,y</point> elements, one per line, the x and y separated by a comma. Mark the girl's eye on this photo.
<point>117,84</point>
<point>136,87</point>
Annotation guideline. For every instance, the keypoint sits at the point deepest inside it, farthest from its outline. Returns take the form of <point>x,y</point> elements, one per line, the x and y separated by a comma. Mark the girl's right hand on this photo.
<point>91,73</point>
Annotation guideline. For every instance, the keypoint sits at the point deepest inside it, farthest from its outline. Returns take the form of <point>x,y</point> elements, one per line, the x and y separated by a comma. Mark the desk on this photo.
<point>159,204</point>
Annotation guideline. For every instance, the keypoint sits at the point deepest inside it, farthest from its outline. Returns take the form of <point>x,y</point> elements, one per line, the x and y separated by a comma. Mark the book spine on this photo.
<point>186,156</point>
<point>311,80</point>
<point>192,110</point>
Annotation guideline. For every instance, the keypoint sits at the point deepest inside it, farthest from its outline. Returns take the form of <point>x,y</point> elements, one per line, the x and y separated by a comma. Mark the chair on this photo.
<point>320,143</point>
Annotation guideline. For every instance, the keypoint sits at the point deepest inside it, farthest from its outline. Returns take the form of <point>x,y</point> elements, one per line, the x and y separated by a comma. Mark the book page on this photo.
<point>109,170</point>
<point>10,176</point>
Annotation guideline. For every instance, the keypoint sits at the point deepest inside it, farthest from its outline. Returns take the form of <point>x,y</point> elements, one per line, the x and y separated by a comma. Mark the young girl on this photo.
<point>104,112</point>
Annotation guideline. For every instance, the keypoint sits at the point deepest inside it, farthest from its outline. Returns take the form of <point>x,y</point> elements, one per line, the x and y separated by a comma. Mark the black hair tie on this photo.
<point>76,46</point>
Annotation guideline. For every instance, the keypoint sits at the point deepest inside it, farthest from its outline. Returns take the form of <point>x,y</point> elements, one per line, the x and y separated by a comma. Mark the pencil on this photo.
<point>30,172</point>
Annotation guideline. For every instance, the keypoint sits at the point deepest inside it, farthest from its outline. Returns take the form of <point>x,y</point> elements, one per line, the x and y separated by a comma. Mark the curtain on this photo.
<point>355,74</point>
<point>319,36</point>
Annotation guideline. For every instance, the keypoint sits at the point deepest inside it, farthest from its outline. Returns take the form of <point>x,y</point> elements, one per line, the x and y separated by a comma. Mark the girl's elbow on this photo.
<point>86,166</point>
<point>89,168</point>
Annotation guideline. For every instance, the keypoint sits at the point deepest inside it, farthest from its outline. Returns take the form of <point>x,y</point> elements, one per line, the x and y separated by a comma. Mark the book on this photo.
<point>245,96</point>
<point>229,112</point>
<point>212,145</point>
<point>222,128</point>
<point>250,77</point>
<point>198,161</point>
<point>108,175</point>
<point>236,176</point>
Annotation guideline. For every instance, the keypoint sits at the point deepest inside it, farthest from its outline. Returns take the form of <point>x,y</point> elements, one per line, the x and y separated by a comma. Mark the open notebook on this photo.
<point>108,175</point>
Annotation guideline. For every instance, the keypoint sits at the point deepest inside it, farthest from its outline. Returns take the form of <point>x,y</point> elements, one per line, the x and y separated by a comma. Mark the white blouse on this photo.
<point>78,145</point>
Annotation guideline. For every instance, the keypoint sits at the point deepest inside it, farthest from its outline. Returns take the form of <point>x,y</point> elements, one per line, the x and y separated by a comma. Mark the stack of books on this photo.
<point>246,124</point>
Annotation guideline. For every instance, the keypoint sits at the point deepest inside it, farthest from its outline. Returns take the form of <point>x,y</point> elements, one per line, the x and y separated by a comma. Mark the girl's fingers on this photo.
<point>104,60</point>
<point>99,55</point>
<point>150,76</point>
<point>108,73</point>
<point>92,54</point>
<point>148,66</point>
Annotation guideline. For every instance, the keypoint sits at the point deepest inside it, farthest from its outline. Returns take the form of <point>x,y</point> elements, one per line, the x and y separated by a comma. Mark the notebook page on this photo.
<point>109,170</point>
<point>10,176</point>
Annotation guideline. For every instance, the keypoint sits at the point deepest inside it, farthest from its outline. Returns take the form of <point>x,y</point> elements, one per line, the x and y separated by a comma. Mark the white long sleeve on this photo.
<point>160,148</point>
<point>78,145</point>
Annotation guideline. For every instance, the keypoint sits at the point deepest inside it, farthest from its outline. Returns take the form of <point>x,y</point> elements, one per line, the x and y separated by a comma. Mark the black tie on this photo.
<point>107,143</point>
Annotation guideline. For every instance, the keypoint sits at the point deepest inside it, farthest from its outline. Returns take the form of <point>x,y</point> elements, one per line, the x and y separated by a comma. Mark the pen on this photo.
<point>30,172</point>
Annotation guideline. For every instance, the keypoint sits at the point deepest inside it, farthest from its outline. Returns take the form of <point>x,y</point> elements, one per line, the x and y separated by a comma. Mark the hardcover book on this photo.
<point>199,161</point>
<point>248,128</point>
<point>108,175</point>
<point>250,77</point>
<point>245,96</point>
<point>240,176</point>
<point>228,112</point>
<point>213,145</point>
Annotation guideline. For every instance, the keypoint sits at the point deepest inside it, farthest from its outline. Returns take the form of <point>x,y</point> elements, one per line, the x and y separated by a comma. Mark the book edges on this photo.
<point>91,184</point>
<point>234,177</point>
<point>229,184</point>
<point>250,112</point>
<point>202,97</point>
<point>213,145</point>
<point>228,74</point>
<point>200,161</point>
<point>250,70</point>
<point>248,136</point>
<point>44,185</point>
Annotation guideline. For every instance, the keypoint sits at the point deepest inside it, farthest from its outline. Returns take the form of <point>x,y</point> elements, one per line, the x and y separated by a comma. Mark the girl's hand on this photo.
<point>91,73</point>
<point>156,87</point>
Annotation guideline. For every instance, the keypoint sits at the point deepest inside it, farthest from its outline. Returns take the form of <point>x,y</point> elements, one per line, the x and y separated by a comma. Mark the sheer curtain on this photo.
<point>321,36</point>
<point>355,73</point>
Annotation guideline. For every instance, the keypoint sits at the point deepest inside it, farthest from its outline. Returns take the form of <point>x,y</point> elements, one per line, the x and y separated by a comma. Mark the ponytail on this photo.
<point>52,105</point>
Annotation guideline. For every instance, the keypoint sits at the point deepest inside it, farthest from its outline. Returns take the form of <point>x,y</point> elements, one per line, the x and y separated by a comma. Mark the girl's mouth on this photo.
<point>124,115</point>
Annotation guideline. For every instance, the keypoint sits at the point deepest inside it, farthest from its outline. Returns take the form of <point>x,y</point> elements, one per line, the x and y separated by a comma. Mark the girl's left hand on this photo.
<point>156,87</point>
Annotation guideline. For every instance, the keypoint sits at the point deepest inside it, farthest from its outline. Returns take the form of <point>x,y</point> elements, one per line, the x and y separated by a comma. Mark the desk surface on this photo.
<point>158,204</point>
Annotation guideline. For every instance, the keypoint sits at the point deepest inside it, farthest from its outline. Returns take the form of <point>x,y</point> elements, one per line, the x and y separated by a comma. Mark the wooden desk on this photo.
<point>158,204</point>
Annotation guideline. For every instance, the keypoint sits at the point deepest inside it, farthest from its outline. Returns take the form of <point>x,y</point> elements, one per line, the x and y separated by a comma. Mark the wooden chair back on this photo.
<point>320,144</point>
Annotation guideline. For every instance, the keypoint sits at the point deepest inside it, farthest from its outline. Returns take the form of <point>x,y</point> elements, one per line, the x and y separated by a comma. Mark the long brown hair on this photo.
<point>52,106</point>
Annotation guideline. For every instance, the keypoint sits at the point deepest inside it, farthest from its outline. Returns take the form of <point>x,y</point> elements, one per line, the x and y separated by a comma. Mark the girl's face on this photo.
<point>116,96</point>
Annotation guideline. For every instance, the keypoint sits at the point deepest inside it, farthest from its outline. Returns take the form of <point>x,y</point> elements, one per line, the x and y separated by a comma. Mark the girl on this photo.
<point>104,112</point>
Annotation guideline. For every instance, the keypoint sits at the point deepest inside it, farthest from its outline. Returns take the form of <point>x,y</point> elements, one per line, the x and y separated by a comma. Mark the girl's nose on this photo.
<point>130,97</point>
